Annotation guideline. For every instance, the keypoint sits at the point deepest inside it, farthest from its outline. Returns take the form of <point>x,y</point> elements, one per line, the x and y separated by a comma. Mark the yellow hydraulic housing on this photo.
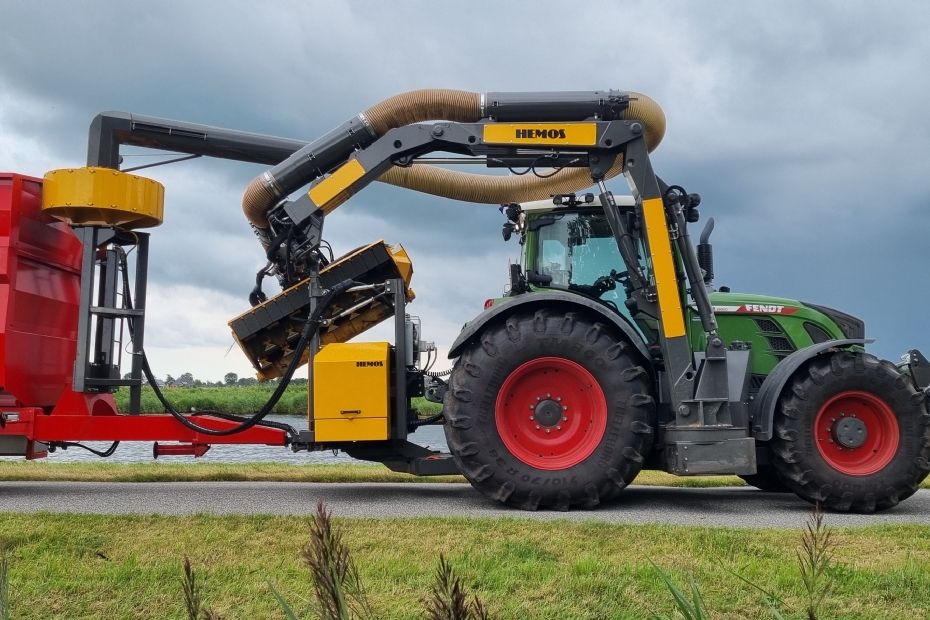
<point>351,392</point>
<point>103,197</point>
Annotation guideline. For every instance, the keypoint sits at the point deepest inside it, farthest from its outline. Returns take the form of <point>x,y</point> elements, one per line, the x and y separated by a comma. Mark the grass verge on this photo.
<point>43,470</point>
<point>278,472</point>
<point>268,472</point>
<point>89,566</point>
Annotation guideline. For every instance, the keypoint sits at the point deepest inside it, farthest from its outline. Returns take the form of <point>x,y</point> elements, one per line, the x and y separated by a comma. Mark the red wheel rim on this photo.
<point>551,413</point>
<point>857,433</point>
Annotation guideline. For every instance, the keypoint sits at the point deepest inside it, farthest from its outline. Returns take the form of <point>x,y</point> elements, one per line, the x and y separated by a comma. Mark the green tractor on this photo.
<point>563,391</point>
<point>611,351</point>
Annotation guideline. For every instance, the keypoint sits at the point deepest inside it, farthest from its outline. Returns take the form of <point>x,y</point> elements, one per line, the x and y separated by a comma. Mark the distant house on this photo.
<point>182,382</point>
<point>158,382</point>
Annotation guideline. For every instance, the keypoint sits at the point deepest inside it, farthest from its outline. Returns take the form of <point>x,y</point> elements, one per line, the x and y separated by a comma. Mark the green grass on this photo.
<point>203,471</point>
<point>77,566</point>
<point>49,470</point>
<point>239,400</point>
<point>268,472</point>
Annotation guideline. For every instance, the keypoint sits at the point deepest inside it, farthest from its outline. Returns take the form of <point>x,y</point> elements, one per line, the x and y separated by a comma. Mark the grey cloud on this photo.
<point>801,124</point>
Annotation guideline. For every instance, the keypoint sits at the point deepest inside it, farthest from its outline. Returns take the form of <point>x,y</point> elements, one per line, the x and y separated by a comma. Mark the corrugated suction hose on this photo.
<point>416,106</point>
<point>334,148</point>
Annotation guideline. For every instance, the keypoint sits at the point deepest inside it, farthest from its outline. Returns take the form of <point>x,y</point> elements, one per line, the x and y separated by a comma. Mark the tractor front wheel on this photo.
<point>549,410</point>
<point>851,433</point>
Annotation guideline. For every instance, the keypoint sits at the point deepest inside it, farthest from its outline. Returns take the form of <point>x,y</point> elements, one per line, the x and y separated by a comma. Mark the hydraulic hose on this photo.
<point>433,419</point>
<point>331,150</point>
<point>310,328</point>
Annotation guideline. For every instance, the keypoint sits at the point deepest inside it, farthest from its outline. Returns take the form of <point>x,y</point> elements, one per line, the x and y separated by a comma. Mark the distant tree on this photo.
<point>169,379</point>
<point>248,381</point>
<point>188,375</point>
<point>128,375</point>
<point>231,378</point>
<point>299,381</point>
<point>199,383</point>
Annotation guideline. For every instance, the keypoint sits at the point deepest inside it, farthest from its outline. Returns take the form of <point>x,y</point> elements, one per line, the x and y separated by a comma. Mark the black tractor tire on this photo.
<point>498,356</point>
<point>767,479</point>
<point>803,453</point>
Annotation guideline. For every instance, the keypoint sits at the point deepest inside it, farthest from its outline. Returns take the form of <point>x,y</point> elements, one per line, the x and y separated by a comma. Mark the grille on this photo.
<point>768,325</point>
<point>756,381</point>
<point>848,324</point>
<point>816,334</point>
<point>779,343</point>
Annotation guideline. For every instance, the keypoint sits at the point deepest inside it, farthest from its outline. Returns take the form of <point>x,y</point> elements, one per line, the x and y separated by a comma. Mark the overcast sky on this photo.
<point>804,127</point>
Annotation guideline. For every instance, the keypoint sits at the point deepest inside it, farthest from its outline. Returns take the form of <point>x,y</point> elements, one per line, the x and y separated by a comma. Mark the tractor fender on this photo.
<point>550,300</point>
<point>762,411</point>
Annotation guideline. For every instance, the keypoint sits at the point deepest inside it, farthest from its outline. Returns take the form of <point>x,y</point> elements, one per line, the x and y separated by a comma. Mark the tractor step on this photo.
<point>434,465</point>
<point>702,451</point>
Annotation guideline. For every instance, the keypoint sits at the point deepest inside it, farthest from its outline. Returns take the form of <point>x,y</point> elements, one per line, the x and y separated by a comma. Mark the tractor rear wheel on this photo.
<point>549,410</point>
<point>851,433</point>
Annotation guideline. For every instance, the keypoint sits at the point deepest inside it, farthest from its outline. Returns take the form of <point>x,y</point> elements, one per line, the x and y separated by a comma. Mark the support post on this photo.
<point>396,289</point>
<point>313,347</point>
<point>142,268</point>
<point>95,363</point>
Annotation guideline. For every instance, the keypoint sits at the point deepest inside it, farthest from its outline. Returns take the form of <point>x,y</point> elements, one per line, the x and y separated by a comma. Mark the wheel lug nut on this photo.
<point>537,427</point>
<point>538,399</point>
<point>558,398</point>
<point>564,419</point>
<point>548,430</point>
<point>532,417</point>
<point>548,395</point>
<point>564,408</point>
<point>532,406</point>
<point>558,428</point>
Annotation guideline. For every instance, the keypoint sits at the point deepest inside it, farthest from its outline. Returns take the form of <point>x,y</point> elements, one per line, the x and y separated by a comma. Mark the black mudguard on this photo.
<point>547,300</point>
<point>762,410</point>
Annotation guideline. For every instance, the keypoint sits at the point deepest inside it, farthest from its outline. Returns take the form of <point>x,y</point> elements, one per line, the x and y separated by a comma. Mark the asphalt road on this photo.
<point>732,507</point>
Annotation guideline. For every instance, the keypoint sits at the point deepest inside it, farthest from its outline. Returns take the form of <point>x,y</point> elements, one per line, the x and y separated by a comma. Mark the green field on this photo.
<point>239,400</point>
<point>76,566</point>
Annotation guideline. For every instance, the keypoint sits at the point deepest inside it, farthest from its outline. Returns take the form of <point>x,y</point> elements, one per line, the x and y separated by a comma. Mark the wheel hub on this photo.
<point>551,413</point>
<point>548,413</point>
<point>857,433</point>
<point>850,432</point>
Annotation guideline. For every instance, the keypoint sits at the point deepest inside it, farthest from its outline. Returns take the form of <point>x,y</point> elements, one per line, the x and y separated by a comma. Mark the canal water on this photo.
<point>141,452</point>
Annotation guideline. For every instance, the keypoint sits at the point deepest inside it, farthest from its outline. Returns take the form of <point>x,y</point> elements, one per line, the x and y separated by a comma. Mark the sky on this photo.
<point>802,125</point>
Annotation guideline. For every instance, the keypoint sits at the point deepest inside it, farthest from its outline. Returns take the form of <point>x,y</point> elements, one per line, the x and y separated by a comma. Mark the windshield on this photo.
<point>577,249</point>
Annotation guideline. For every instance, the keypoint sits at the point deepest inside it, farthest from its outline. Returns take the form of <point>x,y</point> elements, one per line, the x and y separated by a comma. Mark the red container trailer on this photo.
<point>40,286</point>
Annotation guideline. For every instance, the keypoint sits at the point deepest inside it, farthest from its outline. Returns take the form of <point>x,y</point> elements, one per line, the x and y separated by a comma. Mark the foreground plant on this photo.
<point>695,609</point>
<point>192,599</point>
<point>448,599</point>
<point>4,582</point>
<point>814,559</point>
<point>337,586</point>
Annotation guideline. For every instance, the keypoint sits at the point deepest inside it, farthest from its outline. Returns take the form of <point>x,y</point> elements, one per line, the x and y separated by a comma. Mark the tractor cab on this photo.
<point>567,244</point>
